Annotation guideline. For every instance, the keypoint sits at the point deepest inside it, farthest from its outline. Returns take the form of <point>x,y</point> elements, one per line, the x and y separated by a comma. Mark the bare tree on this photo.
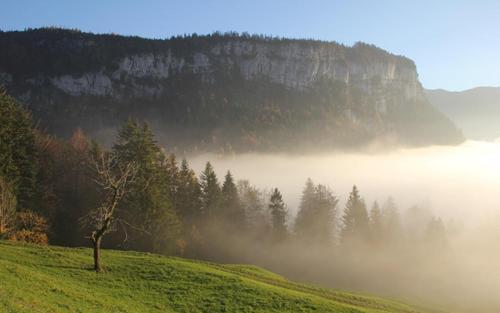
<point>8,205</point>
<point>115,179</point>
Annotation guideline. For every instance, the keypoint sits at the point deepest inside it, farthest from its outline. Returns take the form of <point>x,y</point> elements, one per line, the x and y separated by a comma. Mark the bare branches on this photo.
<point>114,178</point>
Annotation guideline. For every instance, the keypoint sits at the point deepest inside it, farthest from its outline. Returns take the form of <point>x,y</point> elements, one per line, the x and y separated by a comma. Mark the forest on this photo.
<point>55,191</point>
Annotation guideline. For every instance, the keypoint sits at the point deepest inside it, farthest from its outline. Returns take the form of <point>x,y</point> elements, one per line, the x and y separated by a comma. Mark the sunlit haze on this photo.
<point>460,182</point>
<point>250,156</point>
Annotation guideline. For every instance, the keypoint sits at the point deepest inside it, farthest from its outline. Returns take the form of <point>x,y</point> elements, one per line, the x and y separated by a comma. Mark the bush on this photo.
<point>30,227</point>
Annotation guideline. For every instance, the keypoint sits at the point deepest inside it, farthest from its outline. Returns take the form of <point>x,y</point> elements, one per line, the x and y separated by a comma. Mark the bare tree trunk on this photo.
<point>96,243</point>
<point>115,185</point>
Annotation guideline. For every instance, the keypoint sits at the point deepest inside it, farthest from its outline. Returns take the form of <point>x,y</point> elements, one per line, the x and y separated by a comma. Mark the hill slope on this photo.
<point>476,111</point>
<point>221,91</point>
<point>53,279</point>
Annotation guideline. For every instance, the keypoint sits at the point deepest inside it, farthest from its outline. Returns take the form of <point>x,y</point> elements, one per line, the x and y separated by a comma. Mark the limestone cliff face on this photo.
<point>88,79</point>
<point>296,65</point>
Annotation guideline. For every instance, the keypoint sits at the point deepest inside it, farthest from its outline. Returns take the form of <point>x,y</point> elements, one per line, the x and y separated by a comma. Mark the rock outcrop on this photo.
<point>71,66</point>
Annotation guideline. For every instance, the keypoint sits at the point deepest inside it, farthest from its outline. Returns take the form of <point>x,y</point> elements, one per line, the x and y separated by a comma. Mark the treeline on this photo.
<point>45,50</point>
<point>48,192</point>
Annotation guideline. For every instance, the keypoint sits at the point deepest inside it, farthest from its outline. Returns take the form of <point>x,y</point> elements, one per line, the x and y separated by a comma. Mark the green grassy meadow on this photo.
<point>54,279</point>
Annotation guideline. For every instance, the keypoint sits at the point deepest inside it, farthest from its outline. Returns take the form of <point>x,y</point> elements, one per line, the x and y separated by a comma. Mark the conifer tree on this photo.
<point>188,202</point>
<point>210,192</point>
<point>376,224</point>
<point>149,202</point>
<point>171,170</point>
<point>315,220</point>
<point>326,208</point>
<point>17,150</point>
<point>232,210</point>
<point>355,219</point>
<point>279,213</point>
<point>305,217</point>
<point>188,207</point>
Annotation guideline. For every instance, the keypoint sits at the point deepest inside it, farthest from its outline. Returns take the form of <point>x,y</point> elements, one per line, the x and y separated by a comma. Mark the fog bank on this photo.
<point>459,182</point>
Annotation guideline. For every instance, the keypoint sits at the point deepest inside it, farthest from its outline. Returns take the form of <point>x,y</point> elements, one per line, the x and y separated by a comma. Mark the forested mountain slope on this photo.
<point>222,92</point>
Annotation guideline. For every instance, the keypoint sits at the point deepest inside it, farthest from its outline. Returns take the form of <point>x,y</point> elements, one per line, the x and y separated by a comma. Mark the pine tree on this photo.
<point>188,202</point>
<point>17,150</point>
<point>355,219</point>
<point>232,210</point>
<point>305,217</point>
<point>326,207</point>
<point>279,213</point>
<point>149,203</point>
<point>188,207</point>
<point>376,224</point>
<point>171,170</point>
<point>210,192</point>
<point>315,220</point>
<point>136,143</point>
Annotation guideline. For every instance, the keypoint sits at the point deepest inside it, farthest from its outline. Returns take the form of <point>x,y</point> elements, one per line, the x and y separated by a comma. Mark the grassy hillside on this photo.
<point>54,279</point>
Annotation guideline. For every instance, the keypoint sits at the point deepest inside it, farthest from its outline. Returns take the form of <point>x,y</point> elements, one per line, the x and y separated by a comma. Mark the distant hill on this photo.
<point>223,92</point>
<point>52,279</point>
<point>476,111</point>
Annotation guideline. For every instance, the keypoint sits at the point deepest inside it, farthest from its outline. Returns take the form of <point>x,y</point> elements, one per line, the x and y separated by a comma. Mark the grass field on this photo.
<point>54,279</point>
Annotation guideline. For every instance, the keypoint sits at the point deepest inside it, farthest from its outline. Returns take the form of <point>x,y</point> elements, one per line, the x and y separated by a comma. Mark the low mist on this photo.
<point>459,184</point>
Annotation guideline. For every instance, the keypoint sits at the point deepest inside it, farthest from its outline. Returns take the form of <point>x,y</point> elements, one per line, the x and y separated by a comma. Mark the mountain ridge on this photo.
<point>476,110</point>
<point>241,92</point>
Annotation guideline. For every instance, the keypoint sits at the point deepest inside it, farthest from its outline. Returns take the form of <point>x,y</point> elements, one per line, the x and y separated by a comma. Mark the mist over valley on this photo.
<point>313,164</point>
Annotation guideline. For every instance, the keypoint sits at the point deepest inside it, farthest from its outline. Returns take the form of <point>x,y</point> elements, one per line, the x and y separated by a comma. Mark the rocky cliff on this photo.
<point>237,88</point>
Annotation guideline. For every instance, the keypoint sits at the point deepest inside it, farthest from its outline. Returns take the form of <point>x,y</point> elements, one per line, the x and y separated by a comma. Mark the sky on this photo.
<point>455,43</point>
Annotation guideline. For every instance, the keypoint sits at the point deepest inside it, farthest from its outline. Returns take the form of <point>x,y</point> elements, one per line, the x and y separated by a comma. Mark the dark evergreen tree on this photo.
<point>210,192</point>
<point>136,143</point>
<point>232,212</point>
<point>172,176</point>
<point>305,217</point>
<point>355,219</point>
<point>279,214</point>
<point>188,202</point>
<point>17,150</point>
<point>188,207</point>
<point>148,206</point>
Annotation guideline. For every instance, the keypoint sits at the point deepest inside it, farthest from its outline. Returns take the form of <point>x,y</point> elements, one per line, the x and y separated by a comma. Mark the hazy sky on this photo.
<point>455,43</point>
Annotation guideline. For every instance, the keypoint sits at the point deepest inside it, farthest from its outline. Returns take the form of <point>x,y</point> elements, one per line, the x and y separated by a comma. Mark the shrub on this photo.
<point>30,227</point>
